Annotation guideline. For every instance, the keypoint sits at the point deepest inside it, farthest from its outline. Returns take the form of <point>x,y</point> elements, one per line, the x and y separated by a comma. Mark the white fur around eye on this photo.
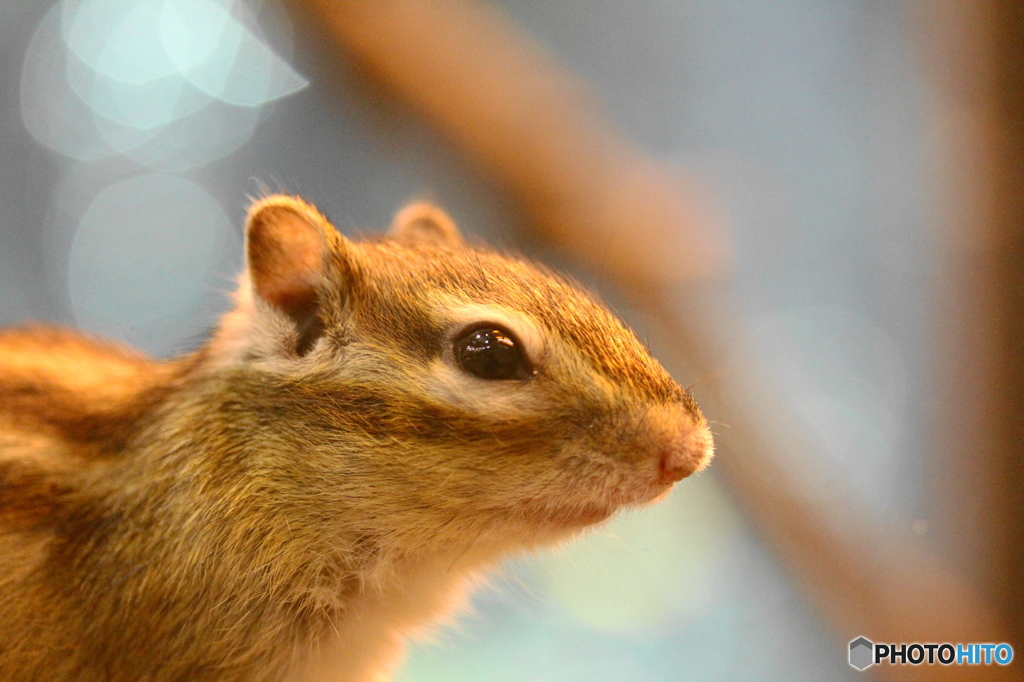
<point>492,398</point>
<point>497,398</point>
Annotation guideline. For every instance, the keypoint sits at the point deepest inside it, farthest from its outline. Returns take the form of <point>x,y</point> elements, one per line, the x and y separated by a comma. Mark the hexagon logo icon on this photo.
<point>861,653</point>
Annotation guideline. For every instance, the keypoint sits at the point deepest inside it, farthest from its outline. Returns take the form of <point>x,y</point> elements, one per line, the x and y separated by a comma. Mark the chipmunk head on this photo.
<point>476,392</point>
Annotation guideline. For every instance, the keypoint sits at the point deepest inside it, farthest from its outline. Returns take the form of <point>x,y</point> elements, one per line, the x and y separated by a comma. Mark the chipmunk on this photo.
<point>372,427</point>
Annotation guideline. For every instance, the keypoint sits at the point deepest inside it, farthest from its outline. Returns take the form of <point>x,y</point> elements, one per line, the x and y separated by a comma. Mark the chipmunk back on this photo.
<point>371,427</point>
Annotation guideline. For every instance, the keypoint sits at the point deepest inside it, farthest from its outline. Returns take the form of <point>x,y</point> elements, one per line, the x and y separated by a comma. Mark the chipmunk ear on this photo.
<point>287,244</point>
<point>423,223</point>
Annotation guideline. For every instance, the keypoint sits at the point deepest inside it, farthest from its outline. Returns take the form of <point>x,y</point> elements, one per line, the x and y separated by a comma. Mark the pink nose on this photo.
<point>674,467</point>
<point>685,447</point>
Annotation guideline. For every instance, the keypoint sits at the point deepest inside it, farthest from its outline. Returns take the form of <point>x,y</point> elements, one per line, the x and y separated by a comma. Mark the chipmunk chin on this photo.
<point>658,497</point>
<point>567,516</point>
<point>580,515</point>
<point>648,494</point>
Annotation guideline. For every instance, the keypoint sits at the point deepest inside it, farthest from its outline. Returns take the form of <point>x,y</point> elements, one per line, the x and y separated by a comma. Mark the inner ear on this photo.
<point>424,223</point>
<point>287,242</point>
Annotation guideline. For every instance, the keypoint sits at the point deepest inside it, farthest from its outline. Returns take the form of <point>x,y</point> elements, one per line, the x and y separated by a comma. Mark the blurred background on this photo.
<point>835,143</point>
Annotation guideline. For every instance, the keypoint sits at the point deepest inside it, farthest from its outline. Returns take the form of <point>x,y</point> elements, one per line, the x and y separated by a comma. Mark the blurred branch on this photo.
<point>531,127</point>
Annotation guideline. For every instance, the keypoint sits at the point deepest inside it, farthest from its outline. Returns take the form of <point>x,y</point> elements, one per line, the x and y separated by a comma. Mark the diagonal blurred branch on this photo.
<point>531,127</point>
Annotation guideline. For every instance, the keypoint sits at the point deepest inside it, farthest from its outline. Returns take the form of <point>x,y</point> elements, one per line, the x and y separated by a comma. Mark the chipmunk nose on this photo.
<point>684,443</point>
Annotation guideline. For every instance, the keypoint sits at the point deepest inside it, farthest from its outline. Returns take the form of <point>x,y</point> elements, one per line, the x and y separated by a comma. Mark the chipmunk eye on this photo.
<point>490,352</point>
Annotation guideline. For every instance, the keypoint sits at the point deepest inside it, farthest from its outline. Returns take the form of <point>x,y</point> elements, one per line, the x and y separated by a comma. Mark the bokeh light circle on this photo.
<point>146,251</point>
<point>171,84</point>
<point>50,110</point>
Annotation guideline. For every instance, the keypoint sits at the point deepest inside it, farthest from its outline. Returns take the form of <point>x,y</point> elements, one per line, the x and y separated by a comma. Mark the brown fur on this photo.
<point>319,481</point>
